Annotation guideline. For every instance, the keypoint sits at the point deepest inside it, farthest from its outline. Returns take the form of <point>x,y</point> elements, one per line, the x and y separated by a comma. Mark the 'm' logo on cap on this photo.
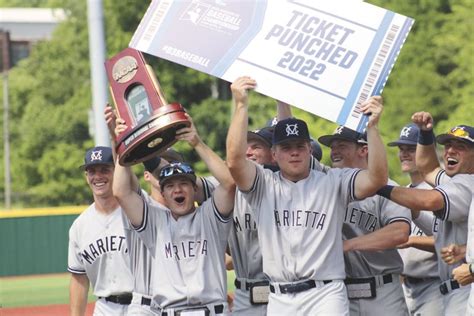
<point>96,155</point>
<point>292,129</point>
<point>405,131</point>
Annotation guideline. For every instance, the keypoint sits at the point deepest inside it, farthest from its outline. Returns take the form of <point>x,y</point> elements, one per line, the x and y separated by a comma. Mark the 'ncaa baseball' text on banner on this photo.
<point>324,56</point>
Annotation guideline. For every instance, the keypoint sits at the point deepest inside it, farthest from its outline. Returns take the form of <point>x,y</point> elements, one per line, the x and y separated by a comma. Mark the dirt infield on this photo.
<point>48,310</point>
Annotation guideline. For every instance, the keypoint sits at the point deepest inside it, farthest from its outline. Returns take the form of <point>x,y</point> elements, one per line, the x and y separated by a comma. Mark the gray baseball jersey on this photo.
<point>470,234</point>
<point>457,194</point>
<point>97,247</point>
<point>419,263</point>
<point>300,223</point>
<point>365,217</point>
<point>189,266</point>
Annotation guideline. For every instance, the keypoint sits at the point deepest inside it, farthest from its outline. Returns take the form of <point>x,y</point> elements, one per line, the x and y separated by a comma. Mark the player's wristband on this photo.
<point>471,267</point>
<point>426,137</point>
<point>386,191</point>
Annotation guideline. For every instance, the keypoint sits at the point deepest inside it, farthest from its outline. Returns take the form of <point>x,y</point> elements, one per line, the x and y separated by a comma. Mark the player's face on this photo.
<point>100,179</point>
<point>346,154</point>
<point>259,152</point>
<point>407,156</point>
<point>458,157</point>
<point>179,194</point>
<point>293,159</point>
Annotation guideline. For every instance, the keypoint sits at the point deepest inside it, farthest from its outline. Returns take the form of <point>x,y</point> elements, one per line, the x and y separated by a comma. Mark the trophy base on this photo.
<point>152,137</point>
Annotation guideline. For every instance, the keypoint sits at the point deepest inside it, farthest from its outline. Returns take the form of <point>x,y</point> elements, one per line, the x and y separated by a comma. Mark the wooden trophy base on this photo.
<point>152,137</point>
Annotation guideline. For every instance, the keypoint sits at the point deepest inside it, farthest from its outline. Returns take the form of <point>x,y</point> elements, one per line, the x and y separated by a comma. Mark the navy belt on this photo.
<point>444,289</point>
<point>238,284</point>
<point>296,287</point>
<point>387,278</point>
<point>146,301</point>
<point>122,299</point>
<point>218,309</point>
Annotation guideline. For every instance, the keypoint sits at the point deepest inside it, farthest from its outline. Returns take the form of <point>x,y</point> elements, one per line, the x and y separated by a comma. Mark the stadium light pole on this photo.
<point>6,54</point>
<point>97,52</point>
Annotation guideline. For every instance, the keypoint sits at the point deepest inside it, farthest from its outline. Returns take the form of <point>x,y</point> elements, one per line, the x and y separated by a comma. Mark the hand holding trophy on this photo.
<point>152,122</point>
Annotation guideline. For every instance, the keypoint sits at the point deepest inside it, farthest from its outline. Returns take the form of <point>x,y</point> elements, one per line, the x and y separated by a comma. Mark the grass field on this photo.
<point>47,289</point>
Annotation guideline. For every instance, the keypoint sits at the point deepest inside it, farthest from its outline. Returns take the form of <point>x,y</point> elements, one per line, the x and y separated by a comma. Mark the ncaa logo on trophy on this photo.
<point>152,122</point>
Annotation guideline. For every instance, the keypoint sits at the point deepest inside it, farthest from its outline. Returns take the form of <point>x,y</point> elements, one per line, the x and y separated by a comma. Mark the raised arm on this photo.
<point>375,176</point>
<point>283,110</point>
<point>243,171</point>
<point>426,159</point>
<point>125,187</point>
<point>216,166</point>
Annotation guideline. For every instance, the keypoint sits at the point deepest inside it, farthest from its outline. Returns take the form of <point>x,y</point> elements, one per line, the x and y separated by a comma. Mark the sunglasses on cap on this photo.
<point>461,133</point>
<point>174,169</point>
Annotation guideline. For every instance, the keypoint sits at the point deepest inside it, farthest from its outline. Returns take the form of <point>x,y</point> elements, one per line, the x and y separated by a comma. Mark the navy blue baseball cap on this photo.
<point>176,169</point>
<point>316,150</point>
<point>463,133</point>
<point>408,136</point>
<point>152,163</point>
<point>290,129</point>
<point>264,135</point>
<point>343,133</point>
<point>98,155</point>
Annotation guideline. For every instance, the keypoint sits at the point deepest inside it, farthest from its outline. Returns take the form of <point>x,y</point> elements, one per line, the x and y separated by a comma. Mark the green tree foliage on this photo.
<point>50,94</point>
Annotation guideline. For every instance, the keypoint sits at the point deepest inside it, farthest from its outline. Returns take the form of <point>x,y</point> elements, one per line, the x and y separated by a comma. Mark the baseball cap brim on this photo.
<point>84,166</point>
<point>255,136</point>
<point>444,138</point>
<point>326,140</point>
<point>402,142</point>
<point>291,138</point>
<point>189,176</point>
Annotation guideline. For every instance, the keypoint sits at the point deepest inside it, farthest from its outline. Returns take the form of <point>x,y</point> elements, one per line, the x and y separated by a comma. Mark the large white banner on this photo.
<point>324,56</point>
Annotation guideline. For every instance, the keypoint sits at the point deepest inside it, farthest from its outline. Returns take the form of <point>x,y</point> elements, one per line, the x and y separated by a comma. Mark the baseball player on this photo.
<point>420,268</point>
<point>450,200</point>
<point>372,229</point>
<point>187,243</point>
<point>297,210</point>
<point>98,254</point>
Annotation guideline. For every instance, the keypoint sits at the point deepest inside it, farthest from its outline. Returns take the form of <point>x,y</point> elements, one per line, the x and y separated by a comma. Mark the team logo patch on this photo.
<point>339,130</point>
<point>96,155</point>
<point>405,131</point>
<point>292,129</point>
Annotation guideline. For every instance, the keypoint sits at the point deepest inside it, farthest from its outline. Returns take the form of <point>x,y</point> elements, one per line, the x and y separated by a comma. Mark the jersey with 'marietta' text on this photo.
<point>299,223</point>
<point>98,248</point>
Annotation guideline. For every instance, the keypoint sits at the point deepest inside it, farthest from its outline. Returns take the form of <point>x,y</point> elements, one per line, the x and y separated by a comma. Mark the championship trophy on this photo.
<point>152,122</point>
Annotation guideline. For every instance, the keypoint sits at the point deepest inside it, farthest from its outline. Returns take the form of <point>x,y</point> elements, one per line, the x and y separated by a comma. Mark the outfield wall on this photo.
<point>35,241</point>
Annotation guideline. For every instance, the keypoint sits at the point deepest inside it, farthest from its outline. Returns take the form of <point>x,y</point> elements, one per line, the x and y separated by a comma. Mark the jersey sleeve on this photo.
<point>209,184</point>
<point>348,177</point>
<point>457,196</point>
<point>254,196</point>
<point>441,178</point>
<point>74,261</point>
<point>426,221</point>
<point>153,219</point>
<point>393,212</point>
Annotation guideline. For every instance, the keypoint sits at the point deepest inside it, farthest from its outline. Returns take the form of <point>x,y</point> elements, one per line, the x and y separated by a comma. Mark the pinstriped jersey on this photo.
<point>457,195</point>
<point>243,239</point>
<point>470,233</point>
<point>189,266</point>
<point>97,247</point>
<point>141,260</point>
<point>300,223</point>
<point>365,217</point>
<point>418,263</point>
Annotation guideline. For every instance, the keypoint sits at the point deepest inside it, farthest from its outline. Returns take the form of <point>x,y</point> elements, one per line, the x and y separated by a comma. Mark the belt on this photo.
<point>245,285</point>
<point>383,279</point>
<point>146,301</point>
<point>296,287</point>
<point>448,286</point>
<point>413,280</point>
<point>122,299</point>
<point>218,309</point>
